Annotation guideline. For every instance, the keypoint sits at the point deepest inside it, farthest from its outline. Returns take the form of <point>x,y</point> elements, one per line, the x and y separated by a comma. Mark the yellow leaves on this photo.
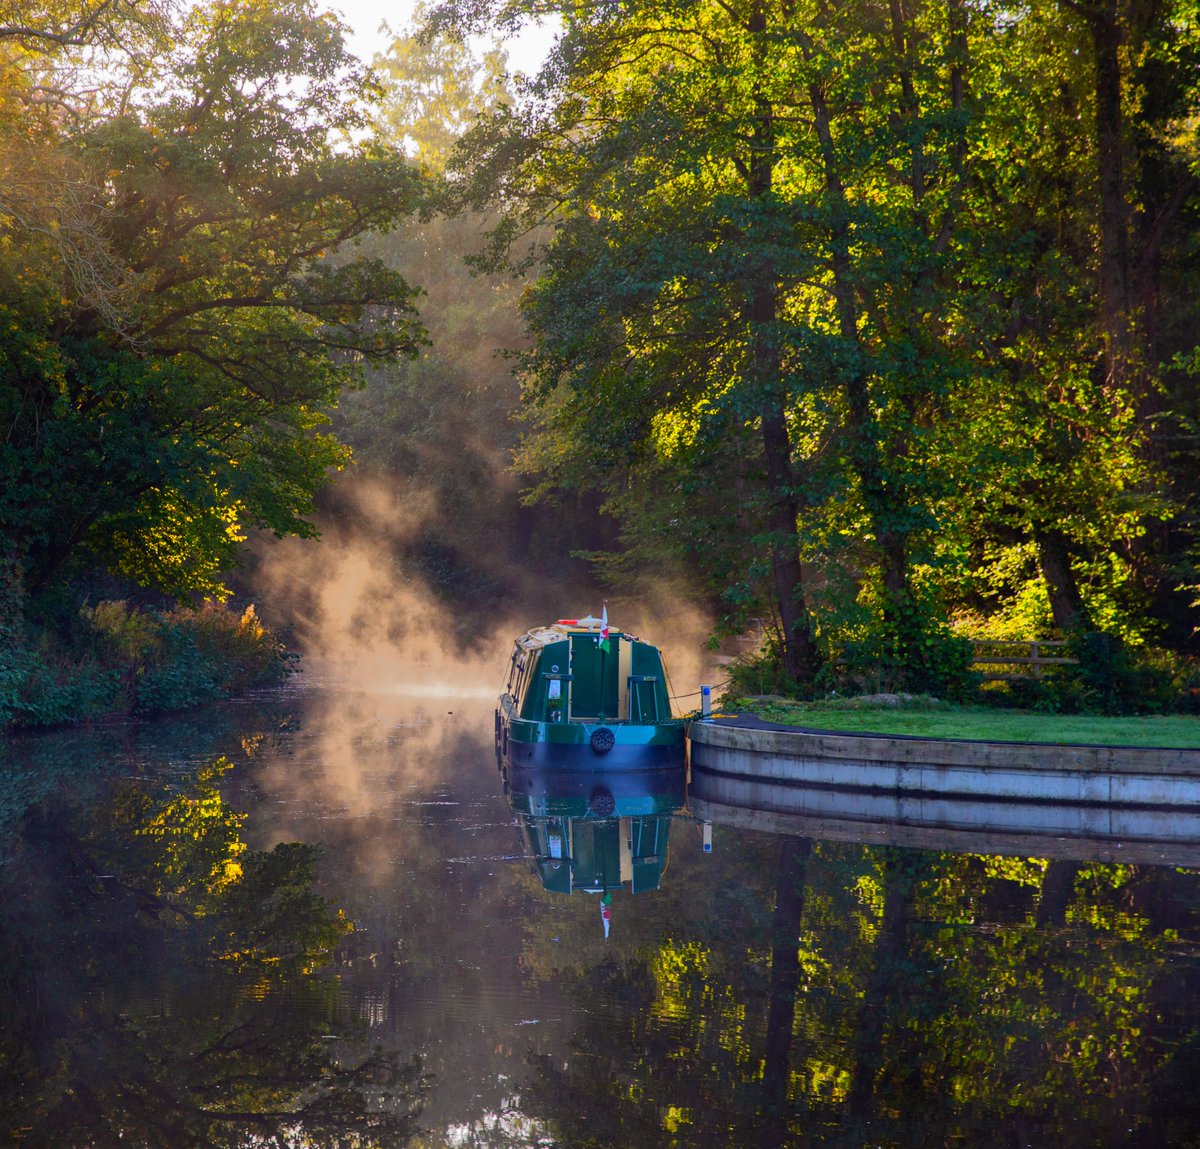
<point>828,1082</point>
<point>198,840</point>
<point>1183,136</point>
<point>677,430</point>
<point>673,966</point>
<point>676,1118</point>
<point>869,891</point>
<point>249,624</point>
<point>1024,871</point>
<point>672,434</point>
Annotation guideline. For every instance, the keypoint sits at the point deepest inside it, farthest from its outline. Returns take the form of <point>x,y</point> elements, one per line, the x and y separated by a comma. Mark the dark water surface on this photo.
<point>332,937</point>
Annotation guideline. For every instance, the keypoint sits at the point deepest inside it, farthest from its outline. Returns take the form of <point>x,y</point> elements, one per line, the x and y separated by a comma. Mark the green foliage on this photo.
<point>1113,678</point>
<point>126,660</point>
<point>840,311</point>
<point>179,677</point>
<point>182,300</point>
<point>40,686</point>
<point>759,674</point>
<point>873,647</point>
<point>937,662</point>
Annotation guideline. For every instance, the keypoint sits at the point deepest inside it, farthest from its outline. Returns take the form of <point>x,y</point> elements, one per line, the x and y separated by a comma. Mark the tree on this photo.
<point>435,86</point>
<point>829,291</point>
<point>1073,485</point>
<point>433,435</point>
<point>149,425</point>
<point>745,249</point>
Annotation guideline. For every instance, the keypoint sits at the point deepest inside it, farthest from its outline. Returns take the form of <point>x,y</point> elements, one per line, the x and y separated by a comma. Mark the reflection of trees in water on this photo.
<point>36,767</point>
<point>902,998</point>
<point>161,986</point>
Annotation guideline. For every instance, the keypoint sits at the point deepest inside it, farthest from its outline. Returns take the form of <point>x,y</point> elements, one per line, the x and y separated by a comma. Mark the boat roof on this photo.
<point>539,636</point>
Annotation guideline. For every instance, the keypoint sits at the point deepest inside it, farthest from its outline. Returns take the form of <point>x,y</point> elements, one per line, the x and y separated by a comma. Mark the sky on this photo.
<point>525,53</point>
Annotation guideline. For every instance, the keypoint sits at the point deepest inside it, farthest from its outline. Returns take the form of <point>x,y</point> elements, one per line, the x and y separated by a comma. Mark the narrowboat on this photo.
<point>583,696</point>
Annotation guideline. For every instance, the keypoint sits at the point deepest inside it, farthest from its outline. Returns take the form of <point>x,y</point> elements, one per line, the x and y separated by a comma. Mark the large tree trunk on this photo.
<point>884,987</point>
<point>799,653</point>
<point>1058,887</point>
<point>1054,559</point>
<point>881,504</point>
<point>958,74</point>
<point>1105,31</point>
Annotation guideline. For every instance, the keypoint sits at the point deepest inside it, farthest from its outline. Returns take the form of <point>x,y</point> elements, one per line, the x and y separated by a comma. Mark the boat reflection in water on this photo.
<point>593,831</point>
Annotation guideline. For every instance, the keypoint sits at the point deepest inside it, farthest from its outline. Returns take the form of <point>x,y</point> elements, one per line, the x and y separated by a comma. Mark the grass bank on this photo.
<point>927,719</point>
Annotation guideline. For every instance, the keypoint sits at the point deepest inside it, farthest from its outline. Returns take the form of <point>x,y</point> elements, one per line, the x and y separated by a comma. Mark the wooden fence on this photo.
<point>1002,661</point>
<point>998,661</point>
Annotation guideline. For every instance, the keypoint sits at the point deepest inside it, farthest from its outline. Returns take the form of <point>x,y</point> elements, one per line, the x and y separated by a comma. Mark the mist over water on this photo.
<point>364,615</point>
<point>379,755</point>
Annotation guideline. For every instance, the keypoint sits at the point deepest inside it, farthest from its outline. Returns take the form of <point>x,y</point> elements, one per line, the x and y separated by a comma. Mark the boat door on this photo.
<point>594,673</point>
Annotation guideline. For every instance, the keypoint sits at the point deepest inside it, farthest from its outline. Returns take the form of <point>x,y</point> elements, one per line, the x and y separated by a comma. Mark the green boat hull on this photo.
<point>529,745</point>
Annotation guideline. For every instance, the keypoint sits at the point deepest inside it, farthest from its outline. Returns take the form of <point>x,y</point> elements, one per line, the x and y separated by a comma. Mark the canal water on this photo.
<point>309,917</point>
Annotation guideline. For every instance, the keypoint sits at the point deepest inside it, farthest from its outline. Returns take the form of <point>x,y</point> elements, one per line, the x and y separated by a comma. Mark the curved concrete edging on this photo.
<point>802,743</point>
<point>987,771</point>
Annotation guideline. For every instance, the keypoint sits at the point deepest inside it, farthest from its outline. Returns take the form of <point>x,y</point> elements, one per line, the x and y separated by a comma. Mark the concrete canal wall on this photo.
<point>1106,803</point>
<point>1105,774</point>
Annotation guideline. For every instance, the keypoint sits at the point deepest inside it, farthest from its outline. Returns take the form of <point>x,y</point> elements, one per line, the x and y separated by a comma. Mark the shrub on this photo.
<point>121,635</point>
<point>41,688</point>
<point>207,652</point>
<point>929,658</point>
<point>1119,679</point>
<point>123,660</point>
<point>180,677</point>
<point>932,661</point>
<point>246,652</point>
<point>761,674</point>
<point>1111,677</point>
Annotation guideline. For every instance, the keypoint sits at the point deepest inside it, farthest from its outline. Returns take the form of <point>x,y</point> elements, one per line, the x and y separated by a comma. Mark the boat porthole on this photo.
<point>603,740</point>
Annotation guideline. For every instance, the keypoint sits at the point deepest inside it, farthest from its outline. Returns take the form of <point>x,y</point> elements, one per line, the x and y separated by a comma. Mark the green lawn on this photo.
<point>983,723</point>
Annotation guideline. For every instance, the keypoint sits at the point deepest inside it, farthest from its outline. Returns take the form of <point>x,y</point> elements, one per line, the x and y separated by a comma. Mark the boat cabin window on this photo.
<point>515,665</point>
<point>545,688</point>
